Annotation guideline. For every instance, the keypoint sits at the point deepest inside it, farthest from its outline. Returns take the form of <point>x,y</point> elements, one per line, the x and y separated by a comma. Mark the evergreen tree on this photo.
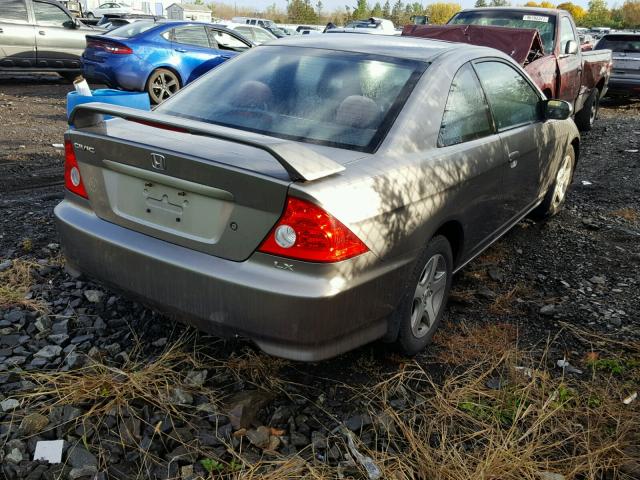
<point>386,9</point>
<point>376,11</point>
<point>480,3</point>
<point>361,11</point>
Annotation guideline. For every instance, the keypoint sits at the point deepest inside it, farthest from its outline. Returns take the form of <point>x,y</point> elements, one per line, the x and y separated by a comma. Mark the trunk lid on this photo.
<point>626,64</point>
<point>206,194</point>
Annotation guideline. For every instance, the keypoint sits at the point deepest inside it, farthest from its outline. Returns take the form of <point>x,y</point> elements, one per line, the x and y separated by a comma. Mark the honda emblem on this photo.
<point>158,162</point>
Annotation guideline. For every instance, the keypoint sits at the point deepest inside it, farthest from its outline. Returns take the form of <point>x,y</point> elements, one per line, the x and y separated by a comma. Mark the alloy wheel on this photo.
<point>162,85</point>
<point>563,178</point>
<point>428,297</point>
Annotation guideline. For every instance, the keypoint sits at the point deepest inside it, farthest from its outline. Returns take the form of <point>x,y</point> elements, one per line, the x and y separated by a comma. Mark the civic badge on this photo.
<point>158,161</point>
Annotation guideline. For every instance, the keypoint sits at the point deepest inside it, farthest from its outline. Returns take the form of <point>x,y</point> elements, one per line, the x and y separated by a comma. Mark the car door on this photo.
<point>469,144</point>
<point>193,52</point>
<point>17,36</point>
<point>569,64</point>
<point>59,41</point>
<point>527,141</point>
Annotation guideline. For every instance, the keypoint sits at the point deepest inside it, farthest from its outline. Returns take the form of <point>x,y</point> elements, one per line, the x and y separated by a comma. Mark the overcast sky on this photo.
<point>332,4</point>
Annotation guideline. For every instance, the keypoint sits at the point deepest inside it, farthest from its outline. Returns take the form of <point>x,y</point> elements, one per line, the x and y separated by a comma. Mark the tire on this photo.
<point>162,84</point>
<point>69,76</point>
<point>420,311</point>
<point>557,193</point>
<point>586,117</point>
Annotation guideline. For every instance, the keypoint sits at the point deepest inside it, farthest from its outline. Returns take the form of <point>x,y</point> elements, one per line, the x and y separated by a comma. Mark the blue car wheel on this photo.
<point>162,84</point>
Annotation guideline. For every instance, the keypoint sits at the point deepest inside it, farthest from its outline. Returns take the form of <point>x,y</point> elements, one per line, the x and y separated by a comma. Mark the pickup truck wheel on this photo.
<point>162,84</point>
<point>554,199</point>
<point>421,309</point>
<point>586,117</point>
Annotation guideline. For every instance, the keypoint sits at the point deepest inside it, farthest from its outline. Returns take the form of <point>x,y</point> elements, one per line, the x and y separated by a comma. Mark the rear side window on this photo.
<point>226,41</point>
<point>13,11</point>
<point>247,32</point>
<point>513,101</point>
<point>466,115</point>
<point>191,35</point>
<point>49,15</point>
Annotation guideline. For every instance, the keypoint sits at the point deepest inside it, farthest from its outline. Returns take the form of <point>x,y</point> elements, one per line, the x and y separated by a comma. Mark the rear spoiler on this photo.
<point>300,162</point>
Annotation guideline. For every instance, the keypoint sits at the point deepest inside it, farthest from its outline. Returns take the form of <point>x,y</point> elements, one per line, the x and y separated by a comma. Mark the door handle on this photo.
<point>225,56</point>
<point>181,50</point>
<point>42,32</point>
<point>513,158</point>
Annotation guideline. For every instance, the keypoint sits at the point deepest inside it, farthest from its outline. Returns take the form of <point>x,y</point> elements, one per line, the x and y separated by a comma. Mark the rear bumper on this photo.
<point>116,72</point>
<point>309,314</point>
<point>624,85</point>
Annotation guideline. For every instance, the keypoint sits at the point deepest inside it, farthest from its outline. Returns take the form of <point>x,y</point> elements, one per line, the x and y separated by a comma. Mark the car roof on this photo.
<point>548,11</point>
<point>387,45</point>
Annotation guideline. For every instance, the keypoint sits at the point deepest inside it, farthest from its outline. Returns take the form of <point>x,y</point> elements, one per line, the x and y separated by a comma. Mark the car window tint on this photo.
<point>566,34</point>
<point>620,43</point>
<point>49,15</point>
<point>226,41</point>
<point>466,115</point>
<point>310,95</point>
<point>13,11</point>
<point>191,35</point>
<point>513,101</point>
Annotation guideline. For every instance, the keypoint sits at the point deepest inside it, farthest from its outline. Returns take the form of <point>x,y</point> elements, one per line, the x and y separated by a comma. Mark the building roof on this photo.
<point>191,7</point>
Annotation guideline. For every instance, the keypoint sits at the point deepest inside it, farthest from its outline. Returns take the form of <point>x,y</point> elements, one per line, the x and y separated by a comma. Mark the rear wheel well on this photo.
<point>171,69</point>
<point>453,232</point>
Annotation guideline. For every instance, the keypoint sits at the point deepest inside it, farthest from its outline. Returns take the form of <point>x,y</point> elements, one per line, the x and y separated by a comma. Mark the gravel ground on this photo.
<point>561,286</point>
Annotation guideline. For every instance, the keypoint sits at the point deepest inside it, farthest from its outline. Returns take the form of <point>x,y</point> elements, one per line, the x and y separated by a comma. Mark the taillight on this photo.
<point>109,46</point>
<point>72,178</point>
<point>306,232</point>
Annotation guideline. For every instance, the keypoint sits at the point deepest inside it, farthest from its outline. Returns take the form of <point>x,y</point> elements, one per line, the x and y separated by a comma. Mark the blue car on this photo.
<point>159,58</point>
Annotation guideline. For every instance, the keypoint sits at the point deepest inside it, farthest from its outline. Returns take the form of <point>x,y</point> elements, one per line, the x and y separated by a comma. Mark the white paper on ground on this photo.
<point>49,451</point>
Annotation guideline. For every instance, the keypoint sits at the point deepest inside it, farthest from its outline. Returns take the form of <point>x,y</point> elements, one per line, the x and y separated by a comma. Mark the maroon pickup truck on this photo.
<point>545,42</point>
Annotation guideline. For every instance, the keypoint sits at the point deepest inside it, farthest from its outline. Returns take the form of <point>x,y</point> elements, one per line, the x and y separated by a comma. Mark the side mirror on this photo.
<point>557,110</point>
<point>571,48</point>
<point>70,24</point>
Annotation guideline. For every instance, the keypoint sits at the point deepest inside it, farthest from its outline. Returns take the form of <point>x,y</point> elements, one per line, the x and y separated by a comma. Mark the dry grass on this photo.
<point>15,283</point>
<point>629,214</point>
<point>506,303</point>
<point>463,345</point>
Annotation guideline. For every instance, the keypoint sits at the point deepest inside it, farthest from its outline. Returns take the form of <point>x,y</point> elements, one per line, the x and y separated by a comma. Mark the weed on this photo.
<point>15,284</point>
<point>628,214</point>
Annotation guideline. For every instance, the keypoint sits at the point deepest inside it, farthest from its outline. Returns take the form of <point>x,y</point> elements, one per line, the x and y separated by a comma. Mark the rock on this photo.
<point>49,352</point>
<point>196,378</point>
<point>58,338</point>
<point>14,456</point>
<point>5,265</point>
<point>186,472</point>
<point>61,327</point>
<point>244,408</point>
<point>78,457</point>
<point>15,360</point>
<point>15,316</point>
<point>318,440</point>
<point>357,422</point>
<point>496,275</point>
<point>9,404</point>
<point>550,476</point>
<point>43,323</point>
<point>494,383</point>
<point>280,416</point>
<point>260,437</point>
<point>86,471</point>
<point>161,342</point>
<point>548,310</point>
<point>485,292</point>
<point>179,397</point>
<point>299,440</point>
<point>596,280</point>
<point>94,296</point>
<point>33,423</point>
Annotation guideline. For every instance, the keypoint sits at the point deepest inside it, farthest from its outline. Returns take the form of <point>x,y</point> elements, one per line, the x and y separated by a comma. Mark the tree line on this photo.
<point>598,13</point>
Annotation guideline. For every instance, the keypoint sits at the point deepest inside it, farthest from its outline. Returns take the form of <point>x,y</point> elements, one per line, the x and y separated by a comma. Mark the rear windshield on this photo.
<point>311,95</point>
<point>620,43</point>
<point>132,29</point>
<point>545,24</point>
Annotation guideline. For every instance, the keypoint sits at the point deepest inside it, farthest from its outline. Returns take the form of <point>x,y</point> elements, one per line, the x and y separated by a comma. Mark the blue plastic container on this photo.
<point>138,100</point>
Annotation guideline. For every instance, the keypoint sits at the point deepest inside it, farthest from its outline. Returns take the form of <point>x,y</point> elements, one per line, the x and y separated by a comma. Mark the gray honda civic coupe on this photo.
<point>316,193</point>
